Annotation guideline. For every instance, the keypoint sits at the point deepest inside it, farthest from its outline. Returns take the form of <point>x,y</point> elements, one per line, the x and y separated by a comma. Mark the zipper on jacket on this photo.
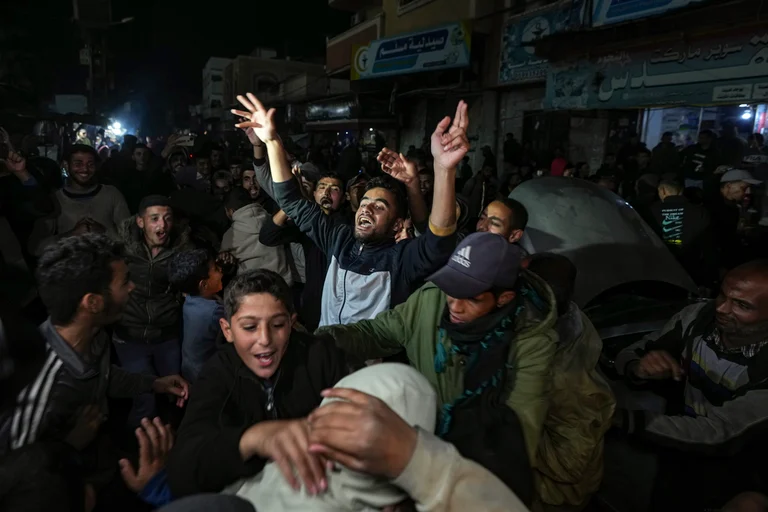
<point>344,287</point>
<point>271,409</point>
<point>149,296</point>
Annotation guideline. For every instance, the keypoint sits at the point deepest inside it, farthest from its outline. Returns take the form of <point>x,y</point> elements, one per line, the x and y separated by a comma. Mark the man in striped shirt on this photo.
<point>84,283</point>
<point>711,363</point>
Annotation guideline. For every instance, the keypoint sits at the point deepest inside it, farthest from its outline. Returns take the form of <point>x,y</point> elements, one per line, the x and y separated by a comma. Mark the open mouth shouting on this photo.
<point>326,203</point>
<point>265,359</point>
<point>364,222</point>
<point>161,235</point>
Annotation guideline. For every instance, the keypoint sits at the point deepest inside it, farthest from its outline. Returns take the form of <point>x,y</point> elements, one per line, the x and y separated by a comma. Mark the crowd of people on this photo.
<point>274,331</point>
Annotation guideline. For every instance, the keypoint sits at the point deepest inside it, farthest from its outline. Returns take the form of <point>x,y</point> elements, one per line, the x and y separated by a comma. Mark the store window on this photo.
<point>404,6</point>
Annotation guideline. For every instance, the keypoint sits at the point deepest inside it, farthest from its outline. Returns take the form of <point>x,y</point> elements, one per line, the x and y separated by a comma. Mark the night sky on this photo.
<point>159,56</point>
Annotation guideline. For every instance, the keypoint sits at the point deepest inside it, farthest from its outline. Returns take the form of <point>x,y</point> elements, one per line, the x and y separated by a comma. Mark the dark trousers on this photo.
<point>159,359</point>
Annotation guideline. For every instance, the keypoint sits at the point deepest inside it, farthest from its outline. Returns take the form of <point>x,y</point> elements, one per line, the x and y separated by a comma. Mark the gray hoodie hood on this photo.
<point>406,392</point>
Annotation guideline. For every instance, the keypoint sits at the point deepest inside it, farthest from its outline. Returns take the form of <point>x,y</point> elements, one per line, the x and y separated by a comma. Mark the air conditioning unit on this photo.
<point>357,18</point>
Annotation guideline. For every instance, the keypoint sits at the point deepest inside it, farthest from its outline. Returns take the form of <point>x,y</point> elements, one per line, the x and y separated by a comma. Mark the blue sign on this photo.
<point>725,70</point>
<point>442,47</point>
<point>518,64</point>
<point>615,11</point>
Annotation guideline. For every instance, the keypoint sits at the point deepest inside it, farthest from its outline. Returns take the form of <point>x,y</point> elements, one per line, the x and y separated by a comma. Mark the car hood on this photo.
<point>599,232</point>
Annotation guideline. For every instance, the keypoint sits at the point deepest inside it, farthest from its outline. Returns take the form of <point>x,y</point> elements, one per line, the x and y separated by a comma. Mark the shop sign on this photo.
<point>332,110</point>
<point>731,69</point>
<point>443,47</point>
<point>518,63</point>
<point>616,11</point>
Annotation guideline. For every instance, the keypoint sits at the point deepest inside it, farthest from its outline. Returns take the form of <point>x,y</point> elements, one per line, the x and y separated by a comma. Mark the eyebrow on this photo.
<point>252,317</point>
<point>378,200</point>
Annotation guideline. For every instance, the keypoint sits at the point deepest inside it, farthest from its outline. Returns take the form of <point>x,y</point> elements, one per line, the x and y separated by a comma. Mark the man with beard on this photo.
<point>280,230</point>
<point>146,337</point>
<point>368,271</point>
<point>85,284</point>
<point>713,360</point>
<point>83,204</point>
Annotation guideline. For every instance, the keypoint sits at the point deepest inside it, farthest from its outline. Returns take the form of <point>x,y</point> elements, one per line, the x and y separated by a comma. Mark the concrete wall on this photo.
<point>513,103</point>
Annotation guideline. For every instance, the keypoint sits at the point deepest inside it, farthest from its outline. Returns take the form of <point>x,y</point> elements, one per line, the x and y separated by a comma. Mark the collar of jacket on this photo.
<point>133,238</point>
<point>73,361</point>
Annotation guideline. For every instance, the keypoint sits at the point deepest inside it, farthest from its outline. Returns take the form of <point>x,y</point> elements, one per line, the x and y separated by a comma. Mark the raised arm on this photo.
<point>449,146</point>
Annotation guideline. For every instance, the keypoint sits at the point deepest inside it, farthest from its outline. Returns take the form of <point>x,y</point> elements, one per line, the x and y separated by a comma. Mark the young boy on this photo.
<point>197,275</point>
<point>252,398</point>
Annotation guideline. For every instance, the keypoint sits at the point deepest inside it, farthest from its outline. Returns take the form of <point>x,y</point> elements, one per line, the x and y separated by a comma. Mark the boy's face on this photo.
<point>212,285</point>
<point>260,331</point>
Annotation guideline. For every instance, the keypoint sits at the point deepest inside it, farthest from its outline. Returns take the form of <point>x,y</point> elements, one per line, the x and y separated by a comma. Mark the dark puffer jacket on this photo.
<point>153,312</point>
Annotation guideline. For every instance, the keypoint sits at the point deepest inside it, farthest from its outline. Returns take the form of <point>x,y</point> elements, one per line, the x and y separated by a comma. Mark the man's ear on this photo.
<point>140,222</point>
<point>294,319</point>
<point>505,298</point>
<point>92,303</point>
<point>226,330</point>
<point>515,236</point>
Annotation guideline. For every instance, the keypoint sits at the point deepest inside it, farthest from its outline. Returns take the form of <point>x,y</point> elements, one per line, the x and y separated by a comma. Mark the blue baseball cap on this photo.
<point>480,263</point>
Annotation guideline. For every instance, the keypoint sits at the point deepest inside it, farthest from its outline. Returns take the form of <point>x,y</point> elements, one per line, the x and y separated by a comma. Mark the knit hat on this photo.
<point>407,393</point>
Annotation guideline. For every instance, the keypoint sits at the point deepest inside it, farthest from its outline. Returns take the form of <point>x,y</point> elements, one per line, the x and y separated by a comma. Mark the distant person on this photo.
<point>665,158</point>
<point>700,160</point>
<point>512,150</point>
<point>559,163</point>
<point>731,145</point>
<point>81,137</point>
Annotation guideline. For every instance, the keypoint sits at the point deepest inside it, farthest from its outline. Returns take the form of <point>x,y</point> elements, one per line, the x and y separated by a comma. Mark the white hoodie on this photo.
<point>242,238</point>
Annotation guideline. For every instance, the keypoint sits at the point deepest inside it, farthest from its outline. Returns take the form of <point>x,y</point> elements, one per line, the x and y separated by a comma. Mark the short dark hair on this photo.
<point>237,198</point>
<point>153,200</point>
<point>253,282</point>
<point>222,175</point>
<point>187,268</point>
<point>396,188</point>
<point>140,145</point>
<point>330,175</point>
<point>667,134</point>
<point>80,148</point>
<point>519,212</point>
<point>644,151</point>
<point>72,268</point>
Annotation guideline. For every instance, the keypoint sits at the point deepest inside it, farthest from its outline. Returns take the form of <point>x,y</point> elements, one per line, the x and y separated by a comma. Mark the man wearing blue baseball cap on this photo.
<point>482,331</point>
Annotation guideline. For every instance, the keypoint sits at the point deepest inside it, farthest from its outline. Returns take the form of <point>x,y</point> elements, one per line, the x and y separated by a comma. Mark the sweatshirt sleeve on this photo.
<point>264,176</point>
<point>426,254</point>
<point>309,217</point>
<point>273,235</point>
<point>438,478</point>
<point>383,336</point>
<point>123,384</point>
<point>724,430</point>
<point>206,456</point>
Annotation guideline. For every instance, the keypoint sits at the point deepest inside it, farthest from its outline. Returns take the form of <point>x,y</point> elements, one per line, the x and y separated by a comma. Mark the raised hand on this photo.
<point>252,137</point>
<point>15,163</point>
<point>397,166</point>
<point>155,443</point>
<point>259,118</point>
<point>173,385</point>
<point>449,141</point>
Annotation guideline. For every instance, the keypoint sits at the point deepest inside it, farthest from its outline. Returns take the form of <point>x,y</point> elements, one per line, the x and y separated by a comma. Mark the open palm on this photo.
<point>449,141</point>
<point>397,166</point>
<point>259,118</point>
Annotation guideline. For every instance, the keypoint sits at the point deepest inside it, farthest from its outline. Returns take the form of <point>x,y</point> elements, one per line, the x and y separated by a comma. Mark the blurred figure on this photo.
<point>665,157</point>
<point>141,157</point>
<point>700,160</point>
<point>221,184</point>
<point>81,136</point>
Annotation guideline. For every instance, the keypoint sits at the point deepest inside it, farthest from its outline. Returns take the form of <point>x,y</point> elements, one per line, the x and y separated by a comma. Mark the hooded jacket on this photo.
<point>414,326</point>
<point>153,312</point>
<point>569,466</point>
<point>228,399</point>
<point>402,389</point>
<point>364,279</point>
<point>243,240</point>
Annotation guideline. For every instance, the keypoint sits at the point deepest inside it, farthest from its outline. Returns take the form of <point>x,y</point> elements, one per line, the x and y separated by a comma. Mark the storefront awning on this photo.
<point>336,125</point>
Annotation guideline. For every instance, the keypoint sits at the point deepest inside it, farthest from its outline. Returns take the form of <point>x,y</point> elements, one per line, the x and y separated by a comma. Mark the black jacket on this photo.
<point>228,398</point>
<point>45,410</point>
<point>153,312</point>
<point>363,279</point>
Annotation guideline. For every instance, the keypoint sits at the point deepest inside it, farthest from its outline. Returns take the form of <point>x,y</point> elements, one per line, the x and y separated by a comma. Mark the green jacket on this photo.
<point>413,325</point>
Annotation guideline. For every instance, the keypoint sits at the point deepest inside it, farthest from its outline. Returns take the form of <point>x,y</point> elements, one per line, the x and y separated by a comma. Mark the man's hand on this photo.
<point>449,146</point>
<point>259,118</point>
<point>362,433</point>
<point>252,137</point>
<point>89,419</point>
<point>286,443</point>
<point>173,385</point>
<point>305,187</point>
<point>16,163</point>
<point>94,226</point>
<point>155,443</point>
<point>225,259</point>
<point>658,365</point>
<point>399,167</point>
